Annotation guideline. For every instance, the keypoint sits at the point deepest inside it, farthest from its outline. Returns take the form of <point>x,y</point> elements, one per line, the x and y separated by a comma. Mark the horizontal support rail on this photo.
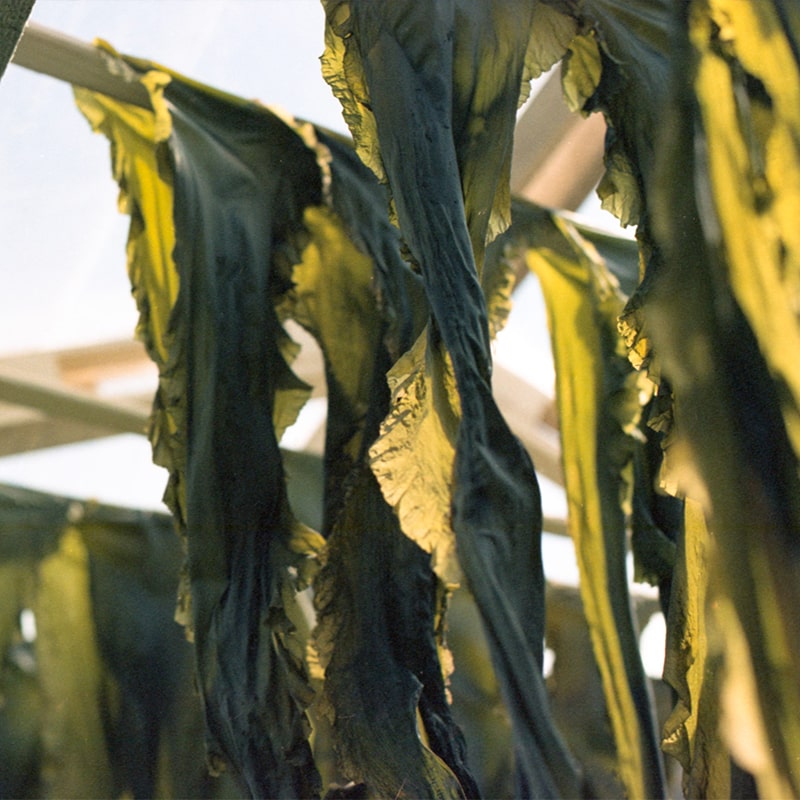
<point>58,402</point>
<point>69,59</point>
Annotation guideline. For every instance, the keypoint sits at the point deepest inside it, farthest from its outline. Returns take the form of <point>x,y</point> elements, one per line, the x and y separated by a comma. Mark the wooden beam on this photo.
<point>43,421</point>
<point>58,402</point>
<point>68,59</point>
<point>558,154</point>
<point>88,368</point>
<point>58,391</point>
<point>37,432</point>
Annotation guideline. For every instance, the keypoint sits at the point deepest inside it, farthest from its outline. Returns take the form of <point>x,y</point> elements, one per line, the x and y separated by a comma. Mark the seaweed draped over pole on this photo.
<point>215,175</point>
<point>240,219</point>
<point>433,118</point>
<point>599,401</point>
<point>241,179</point>
<point>262,213</point>
<point>724,323</point>
<point>701,100</point>
<point>98,696</point>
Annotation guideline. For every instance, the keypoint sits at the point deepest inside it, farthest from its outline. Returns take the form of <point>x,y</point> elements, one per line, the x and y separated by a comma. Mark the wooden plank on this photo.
<point>88,368</point>
<point>558,154</point>
<point>38,432</point>
<point>530,415</point>
<point>68,59</point>
<point>58,402</point>
<point>57,388</point>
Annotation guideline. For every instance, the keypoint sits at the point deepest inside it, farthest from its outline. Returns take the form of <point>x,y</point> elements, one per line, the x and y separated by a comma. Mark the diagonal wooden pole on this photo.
<point>68,59</point>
